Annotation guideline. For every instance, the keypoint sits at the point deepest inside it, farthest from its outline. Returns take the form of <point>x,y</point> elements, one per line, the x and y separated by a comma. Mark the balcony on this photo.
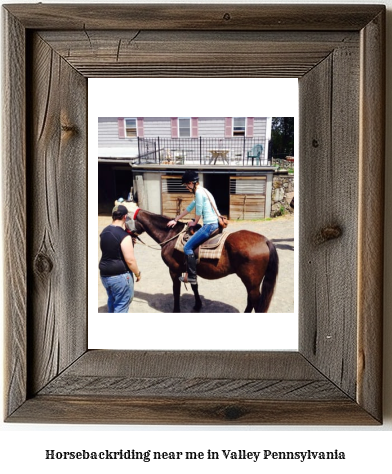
<point>236,151</point>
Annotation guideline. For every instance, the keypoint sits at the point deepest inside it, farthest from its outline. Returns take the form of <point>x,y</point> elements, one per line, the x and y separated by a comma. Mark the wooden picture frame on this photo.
<point>337,52</point>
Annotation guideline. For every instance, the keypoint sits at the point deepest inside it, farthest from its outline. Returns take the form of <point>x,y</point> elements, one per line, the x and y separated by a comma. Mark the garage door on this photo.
<point>247,197</point>
<point>175,198</point>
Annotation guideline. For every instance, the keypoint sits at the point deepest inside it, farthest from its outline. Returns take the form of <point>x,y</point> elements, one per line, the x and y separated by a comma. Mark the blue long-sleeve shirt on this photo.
<point>203,206</point>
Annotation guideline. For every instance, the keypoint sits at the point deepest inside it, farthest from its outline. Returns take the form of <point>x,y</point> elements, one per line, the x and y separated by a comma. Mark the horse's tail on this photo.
<point>268,284</point>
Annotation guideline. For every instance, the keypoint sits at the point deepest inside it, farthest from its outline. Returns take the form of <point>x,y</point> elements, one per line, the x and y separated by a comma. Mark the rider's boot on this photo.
<point>191,276</point>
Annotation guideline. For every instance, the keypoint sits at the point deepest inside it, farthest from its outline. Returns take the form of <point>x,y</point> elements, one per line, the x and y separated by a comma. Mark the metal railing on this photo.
<point>238,151</point>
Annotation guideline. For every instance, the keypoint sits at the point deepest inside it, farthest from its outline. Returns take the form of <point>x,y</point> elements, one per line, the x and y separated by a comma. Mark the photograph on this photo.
<point>167,183</point>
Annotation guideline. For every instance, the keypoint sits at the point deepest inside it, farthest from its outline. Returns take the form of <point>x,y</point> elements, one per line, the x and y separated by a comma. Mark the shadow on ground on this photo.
<point>163,303</point>
<point>282,246</point>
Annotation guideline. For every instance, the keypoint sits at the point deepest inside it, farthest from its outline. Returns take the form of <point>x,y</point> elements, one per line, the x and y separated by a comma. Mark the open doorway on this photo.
<point>219,185</point>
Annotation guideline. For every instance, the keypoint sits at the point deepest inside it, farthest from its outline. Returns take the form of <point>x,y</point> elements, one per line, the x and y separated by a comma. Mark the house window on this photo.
<point>239,126</point>
<point>130,127</point>
<point>184,127</point>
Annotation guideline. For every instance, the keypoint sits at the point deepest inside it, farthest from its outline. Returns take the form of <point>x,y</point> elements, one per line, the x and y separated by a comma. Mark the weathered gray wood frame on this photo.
<point>337,52</point>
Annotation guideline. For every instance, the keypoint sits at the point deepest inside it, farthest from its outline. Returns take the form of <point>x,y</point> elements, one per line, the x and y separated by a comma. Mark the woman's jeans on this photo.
<point>120,292</point>
<point>199,237</point>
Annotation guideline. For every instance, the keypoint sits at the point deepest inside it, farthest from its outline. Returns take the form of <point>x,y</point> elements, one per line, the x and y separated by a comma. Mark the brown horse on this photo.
<point>248,254</point>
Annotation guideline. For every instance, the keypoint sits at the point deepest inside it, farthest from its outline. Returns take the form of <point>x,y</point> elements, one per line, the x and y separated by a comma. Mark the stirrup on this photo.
<point>184,279</point>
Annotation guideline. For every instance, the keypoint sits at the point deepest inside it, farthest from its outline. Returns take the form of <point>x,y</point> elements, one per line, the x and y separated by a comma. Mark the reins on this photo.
<point>161,243</point>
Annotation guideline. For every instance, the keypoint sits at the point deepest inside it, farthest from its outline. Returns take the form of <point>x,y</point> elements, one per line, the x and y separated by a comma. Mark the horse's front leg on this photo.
<point>176,291</point>
<point>198,303</point>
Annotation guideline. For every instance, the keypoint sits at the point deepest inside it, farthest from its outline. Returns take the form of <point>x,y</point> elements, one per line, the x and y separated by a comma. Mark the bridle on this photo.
<point>135,234</point>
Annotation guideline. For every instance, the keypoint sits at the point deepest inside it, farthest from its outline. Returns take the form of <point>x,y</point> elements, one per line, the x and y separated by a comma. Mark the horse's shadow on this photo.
<point>283,246</point>
<point>163,303</point>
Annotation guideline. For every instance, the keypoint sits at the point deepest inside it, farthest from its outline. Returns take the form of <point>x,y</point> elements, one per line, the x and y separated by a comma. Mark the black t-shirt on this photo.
<point>112,261</point>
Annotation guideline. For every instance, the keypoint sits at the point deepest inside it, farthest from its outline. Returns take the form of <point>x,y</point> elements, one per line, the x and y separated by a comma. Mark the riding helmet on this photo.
<point>190,177</point>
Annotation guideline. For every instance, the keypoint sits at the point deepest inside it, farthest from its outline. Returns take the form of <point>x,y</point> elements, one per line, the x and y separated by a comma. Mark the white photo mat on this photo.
<point>148,97</point>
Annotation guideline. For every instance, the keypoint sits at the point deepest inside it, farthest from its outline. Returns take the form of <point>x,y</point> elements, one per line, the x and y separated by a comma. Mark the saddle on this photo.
<point>211,248</point>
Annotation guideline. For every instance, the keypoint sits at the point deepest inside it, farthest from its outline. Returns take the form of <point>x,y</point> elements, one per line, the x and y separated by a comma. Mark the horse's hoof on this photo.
<point>197,307</point>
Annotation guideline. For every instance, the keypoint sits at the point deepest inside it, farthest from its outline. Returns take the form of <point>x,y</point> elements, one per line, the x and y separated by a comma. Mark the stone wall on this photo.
<point>282,193</point>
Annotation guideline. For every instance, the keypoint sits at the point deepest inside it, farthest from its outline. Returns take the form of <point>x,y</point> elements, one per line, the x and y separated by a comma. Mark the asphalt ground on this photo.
<point>153,294</point>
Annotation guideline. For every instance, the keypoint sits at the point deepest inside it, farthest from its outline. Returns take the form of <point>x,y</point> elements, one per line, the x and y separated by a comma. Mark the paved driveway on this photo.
<point>153,294</point>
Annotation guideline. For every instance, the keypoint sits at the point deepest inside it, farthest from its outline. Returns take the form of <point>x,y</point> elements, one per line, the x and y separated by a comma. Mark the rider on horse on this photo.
<point>203,202</point>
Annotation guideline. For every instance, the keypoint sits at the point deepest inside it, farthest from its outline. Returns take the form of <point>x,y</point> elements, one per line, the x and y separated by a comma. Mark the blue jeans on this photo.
<point>199,237</point>
<point>120,292</point>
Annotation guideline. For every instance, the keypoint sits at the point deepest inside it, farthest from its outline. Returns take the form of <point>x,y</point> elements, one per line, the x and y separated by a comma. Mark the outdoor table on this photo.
<point>215,154</point>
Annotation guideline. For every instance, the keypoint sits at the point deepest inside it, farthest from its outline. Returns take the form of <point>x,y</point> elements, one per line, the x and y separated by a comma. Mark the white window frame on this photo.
<point>179,128</point>
<point>233,134</point>
<point>126,127</point>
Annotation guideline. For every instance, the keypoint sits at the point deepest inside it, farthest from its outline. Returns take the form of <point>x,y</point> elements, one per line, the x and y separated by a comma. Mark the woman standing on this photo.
<point>118,262</point>
<point>204,202</point>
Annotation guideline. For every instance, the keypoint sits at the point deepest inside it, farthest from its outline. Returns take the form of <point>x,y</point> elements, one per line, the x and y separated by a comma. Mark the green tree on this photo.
<point>282,137</point>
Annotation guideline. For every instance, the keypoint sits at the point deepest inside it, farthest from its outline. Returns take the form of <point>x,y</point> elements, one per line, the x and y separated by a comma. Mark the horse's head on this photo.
<point>132,224</point>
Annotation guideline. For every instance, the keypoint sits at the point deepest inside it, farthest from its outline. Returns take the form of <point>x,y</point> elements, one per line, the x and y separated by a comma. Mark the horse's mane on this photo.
<point>160,221</point>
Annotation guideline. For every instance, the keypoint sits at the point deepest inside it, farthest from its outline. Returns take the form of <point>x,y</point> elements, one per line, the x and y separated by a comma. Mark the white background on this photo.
<point>367,449</point>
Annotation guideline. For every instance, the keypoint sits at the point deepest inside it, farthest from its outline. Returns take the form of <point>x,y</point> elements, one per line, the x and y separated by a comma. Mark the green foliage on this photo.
<point>282,137</point>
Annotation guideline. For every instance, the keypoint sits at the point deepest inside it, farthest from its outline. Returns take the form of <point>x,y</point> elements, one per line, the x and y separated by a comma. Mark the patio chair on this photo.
<point>255,153</point>
<point>179,157</point>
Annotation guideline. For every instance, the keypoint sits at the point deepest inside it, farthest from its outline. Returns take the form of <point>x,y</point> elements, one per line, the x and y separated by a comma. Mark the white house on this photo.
<point>149,155</point>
